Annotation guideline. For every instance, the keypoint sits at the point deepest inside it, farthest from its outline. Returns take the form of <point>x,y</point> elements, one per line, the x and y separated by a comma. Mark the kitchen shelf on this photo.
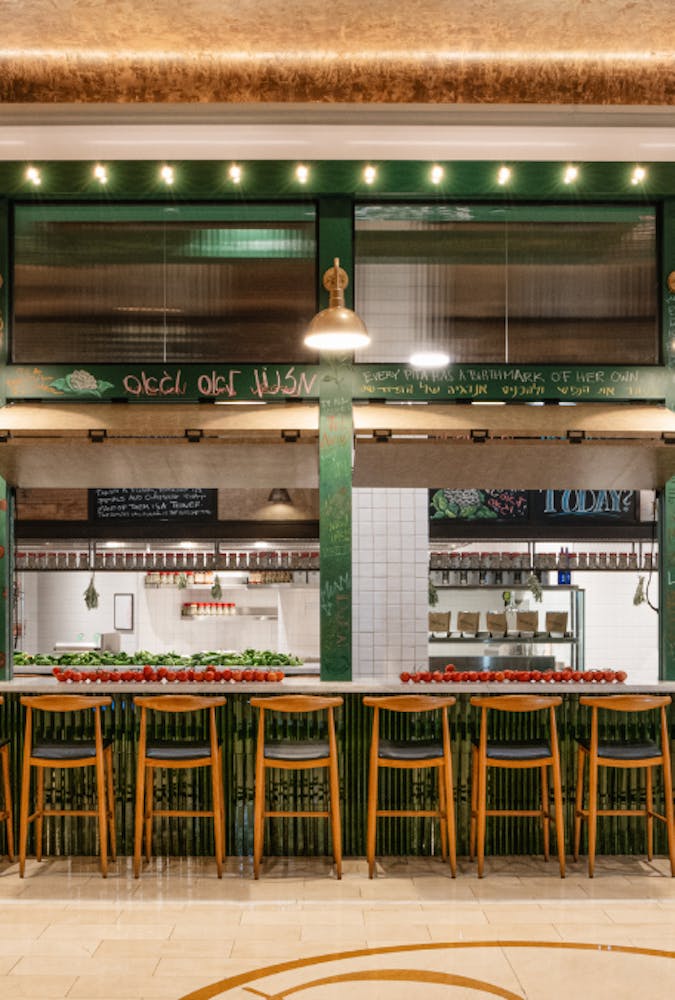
<point>539,637</point>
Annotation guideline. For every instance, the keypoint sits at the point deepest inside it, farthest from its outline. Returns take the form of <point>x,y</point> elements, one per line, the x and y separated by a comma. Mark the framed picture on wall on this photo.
<point>123,612</point>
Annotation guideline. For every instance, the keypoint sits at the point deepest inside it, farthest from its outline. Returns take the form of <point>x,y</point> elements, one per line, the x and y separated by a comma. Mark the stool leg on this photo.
<point>474,803</point>
<point>102,810</point>
<point>649,804</point>
<point>668,793</point>
<point>40,811</point>
<point>559,815</point>
<point>482,817</point>
<point>147,812</point>
<point>108,758</point>
<point>335,815</point>
<point>258,812</point>
<point>443,814</point>
<point>7,802</point>
<point>450,817</point>
<point>579,801</point>
<point>23,810</point>
<point>371,827</point>
<point>592,811</point>
<point>216,791</point>
<point>545,812</point>
<point>138,816</point>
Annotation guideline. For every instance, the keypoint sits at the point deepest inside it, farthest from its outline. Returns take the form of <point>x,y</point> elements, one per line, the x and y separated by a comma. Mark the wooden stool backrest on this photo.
<point>174,704</point>
<point>64,703</point>
<point>289,703</point>
<point>627,703</point>
<point>409,703</point>
<point>517,703</point>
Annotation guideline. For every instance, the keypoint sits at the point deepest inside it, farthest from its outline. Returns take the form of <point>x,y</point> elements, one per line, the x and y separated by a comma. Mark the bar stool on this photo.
<point>293,755</point>
<point>42,753</point>
<point>6,811</point>
<point>411,755</point>
<point>540,753</point>
<point>181,754</point>
<point>645,754</point>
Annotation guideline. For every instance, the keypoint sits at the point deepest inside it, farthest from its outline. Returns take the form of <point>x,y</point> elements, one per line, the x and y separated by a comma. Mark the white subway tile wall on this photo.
<point>390,581</point>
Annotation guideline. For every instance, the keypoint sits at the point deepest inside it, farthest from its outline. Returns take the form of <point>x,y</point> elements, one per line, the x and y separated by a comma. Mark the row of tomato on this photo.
<point>166,675</point>
<point>451,675</point>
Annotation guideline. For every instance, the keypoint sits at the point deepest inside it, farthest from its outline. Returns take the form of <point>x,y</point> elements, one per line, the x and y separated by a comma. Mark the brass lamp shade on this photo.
<point>336,328</point>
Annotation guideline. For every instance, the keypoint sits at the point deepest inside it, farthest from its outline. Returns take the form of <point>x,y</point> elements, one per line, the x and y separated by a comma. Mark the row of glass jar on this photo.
<point>181,560</point>
<point>542,560</point>
<point>177,578</point>
<point>202,609</point>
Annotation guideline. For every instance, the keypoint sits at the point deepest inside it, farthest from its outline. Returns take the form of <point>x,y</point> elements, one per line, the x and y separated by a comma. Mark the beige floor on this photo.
<point>413,932</point>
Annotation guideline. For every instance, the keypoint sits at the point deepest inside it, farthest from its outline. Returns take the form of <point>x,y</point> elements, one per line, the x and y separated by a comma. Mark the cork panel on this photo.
<point>51,505</point>
<point>435,51</point>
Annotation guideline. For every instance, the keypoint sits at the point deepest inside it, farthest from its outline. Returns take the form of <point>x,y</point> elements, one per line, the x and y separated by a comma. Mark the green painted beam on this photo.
<point>667,582</point>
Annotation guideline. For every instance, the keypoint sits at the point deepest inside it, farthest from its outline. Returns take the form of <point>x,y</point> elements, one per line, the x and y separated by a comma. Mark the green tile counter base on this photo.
<point>396,837</point>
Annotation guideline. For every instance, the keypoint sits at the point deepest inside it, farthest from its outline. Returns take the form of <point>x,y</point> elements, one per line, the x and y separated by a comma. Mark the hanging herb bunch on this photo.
<point>91,595</point>
<point>216,589</point>
<point>534,586</point>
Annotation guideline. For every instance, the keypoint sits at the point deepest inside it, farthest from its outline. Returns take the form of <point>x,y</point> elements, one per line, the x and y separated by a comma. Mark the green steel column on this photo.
<point>668,286</point>
<point>5,505</point>
<point>667,582</point>
<point>335,239</point>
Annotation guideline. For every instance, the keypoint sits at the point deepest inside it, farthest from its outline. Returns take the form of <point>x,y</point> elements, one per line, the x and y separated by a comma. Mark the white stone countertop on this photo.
<point>312,685</point>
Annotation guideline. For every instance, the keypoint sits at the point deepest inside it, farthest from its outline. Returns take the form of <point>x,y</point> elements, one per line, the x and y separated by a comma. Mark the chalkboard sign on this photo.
<point>179,505</point>
<point>586,507</point>
<point>484,506</point>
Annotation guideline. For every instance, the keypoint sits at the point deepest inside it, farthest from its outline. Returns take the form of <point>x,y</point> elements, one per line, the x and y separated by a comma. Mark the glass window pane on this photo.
<point>163,283</point>
<point>561,284</point>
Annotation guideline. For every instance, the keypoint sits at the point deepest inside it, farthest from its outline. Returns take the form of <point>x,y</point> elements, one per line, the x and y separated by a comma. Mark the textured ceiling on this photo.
<point>437,51</point>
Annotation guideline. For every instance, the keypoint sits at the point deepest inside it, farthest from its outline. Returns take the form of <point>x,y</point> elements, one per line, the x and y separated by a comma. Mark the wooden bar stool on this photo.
<point>42,753</point>
<point>6,811</point>
<point>411,755</point>
<point>645,754</point>
<point>293,755</point>
<point>181,754</point>
<point>540,753</point>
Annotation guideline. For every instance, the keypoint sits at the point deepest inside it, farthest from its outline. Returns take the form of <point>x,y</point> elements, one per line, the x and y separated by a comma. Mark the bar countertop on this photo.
<point>312,685</point>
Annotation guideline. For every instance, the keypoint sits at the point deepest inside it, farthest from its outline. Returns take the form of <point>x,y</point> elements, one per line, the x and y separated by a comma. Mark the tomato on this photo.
<point>556,676</point>
<point>210,675</point>
<point>499,676</point>
<point>523,675</point>
<point>450,676</point>
<point>484,676</point>
<point>181,675</point>
<point>608,675</point>
<point>148,673</point>
<point>473,675</point>
<point>449,668</point>
<point>567,675</point>
<point>161,673</point>
<point>247,675</point>
<point>236,675</point>
<point>621,676</point>
<point>536,675</point>
<point>280,675</point>
<point>227,675</point>
<point>405,676</point>
<point>576,676</point>
<point>437,676</point>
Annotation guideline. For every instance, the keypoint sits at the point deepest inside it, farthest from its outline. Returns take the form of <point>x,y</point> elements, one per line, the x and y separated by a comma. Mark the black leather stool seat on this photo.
<point>290,750</point>
<point>415,750</point>
<point>4,740</point>
<point>67,749</point>
<point>177,750</point>
<point>518,750</point>
<point>620,750</point>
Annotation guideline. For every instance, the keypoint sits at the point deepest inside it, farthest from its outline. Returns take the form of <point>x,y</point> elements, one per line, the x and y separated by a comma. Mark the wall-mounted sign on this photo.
<point>479,505</point>
<point>177,505</point>
<point>574,506</point>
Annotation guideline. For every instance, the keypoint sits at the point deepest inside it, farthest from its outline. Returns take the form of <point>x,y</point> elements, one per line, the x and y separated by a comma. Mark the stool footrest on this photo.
<point>583,813</point>
<point>62,812</point>
<point>519,812</point>
<point>180,812</point>
<point>435,813</point>
<point>304,813</point>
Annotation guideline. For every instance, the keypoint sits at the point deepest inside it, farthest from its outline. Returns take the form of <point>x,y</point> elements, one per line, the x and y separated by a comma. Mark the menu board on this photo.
<point>497,506</point>
<point>536,507</point>
<point>175,505</point>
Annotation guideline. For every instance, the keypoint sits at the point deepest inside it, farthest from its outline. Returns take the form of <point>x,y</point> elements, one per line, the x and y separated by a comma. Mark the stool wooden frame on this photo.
<point>290,704</point>
<point>596,760</point>
<point>481,761</point>
<point>146,765</point>
<point>101,760</point>
<point>441,761</point>
<point>6,812</point>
